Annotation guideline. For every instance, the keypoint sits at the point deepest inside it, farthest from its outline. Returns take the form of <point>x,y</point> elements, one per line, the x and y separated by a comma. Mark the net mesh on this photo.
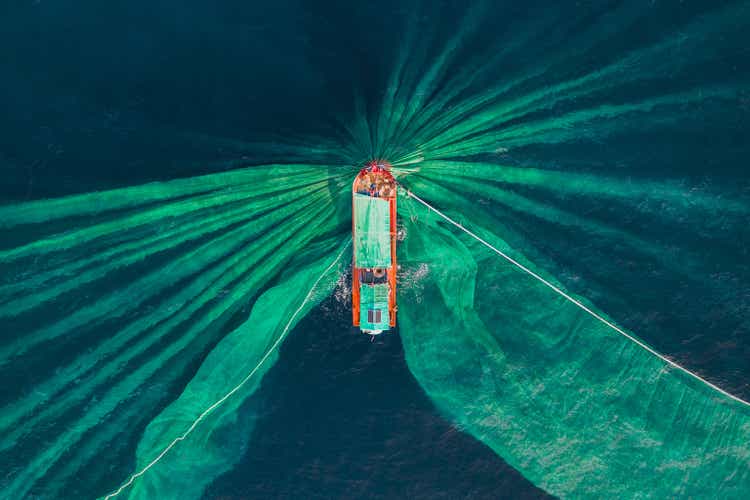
<point>210,273</point>
<point>171,272</point>
<point>579,409</point>
<point>249,350</point>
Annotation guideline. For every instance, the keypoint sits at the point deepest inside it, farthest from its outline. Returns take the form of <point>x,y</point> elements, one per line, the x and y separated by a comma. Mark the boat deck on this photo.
<point>380,184</point>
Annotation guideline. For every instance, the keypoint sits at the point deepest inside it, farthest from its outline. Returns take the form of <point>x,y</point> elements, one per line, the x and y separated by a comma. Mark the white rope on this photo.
<point>236,388</point>
<point>574,301</point>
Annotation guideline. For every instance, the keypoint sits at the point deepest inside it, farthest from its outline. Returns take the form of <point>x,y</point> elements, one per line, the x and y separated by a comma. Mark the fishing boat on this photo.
<point>374,257</point>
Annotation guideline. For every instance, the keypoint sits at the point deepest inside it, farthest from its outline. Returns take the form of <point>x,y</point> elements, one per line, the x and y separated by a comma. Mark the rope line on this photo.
<point>575,301</point>
<point>236,388</point>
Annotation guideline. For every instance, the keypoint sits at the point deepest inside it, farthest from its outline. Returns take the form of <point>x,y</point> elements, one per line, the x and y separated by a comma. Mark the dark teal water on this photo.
<point>94,96</point>
<point>344,418</point>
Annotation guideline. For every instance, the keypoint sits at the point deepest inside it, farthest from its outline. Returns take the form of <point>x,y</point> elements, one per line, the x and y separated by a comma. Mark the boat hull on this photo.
<point>374,261</point>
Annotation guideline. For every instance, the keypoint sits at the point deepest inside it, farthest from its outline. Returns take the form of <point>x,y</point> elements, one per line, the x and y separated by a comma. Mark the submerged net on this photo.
<point>226,380</point>
<point>578,408</point>
<point>551,160</point>
<point>198,281</point>
<point>170,266</point>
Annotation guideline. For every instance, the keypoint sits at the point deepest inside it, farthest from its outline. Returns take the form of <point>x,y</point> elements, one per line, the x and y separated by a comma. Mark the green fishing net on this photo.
<point>237,364</point>
<point>578,408</point>
<point>194,254</point>
<point>231,262</point>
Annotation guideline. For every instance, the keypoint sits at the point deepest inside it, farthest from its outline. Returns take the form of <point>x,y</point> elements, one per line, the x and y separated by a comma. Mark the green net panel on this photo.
<point>373,306</point>
<point>372,241</point>
<point>219,440</point>
<point>146,283</point>
<point>577,408</point>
